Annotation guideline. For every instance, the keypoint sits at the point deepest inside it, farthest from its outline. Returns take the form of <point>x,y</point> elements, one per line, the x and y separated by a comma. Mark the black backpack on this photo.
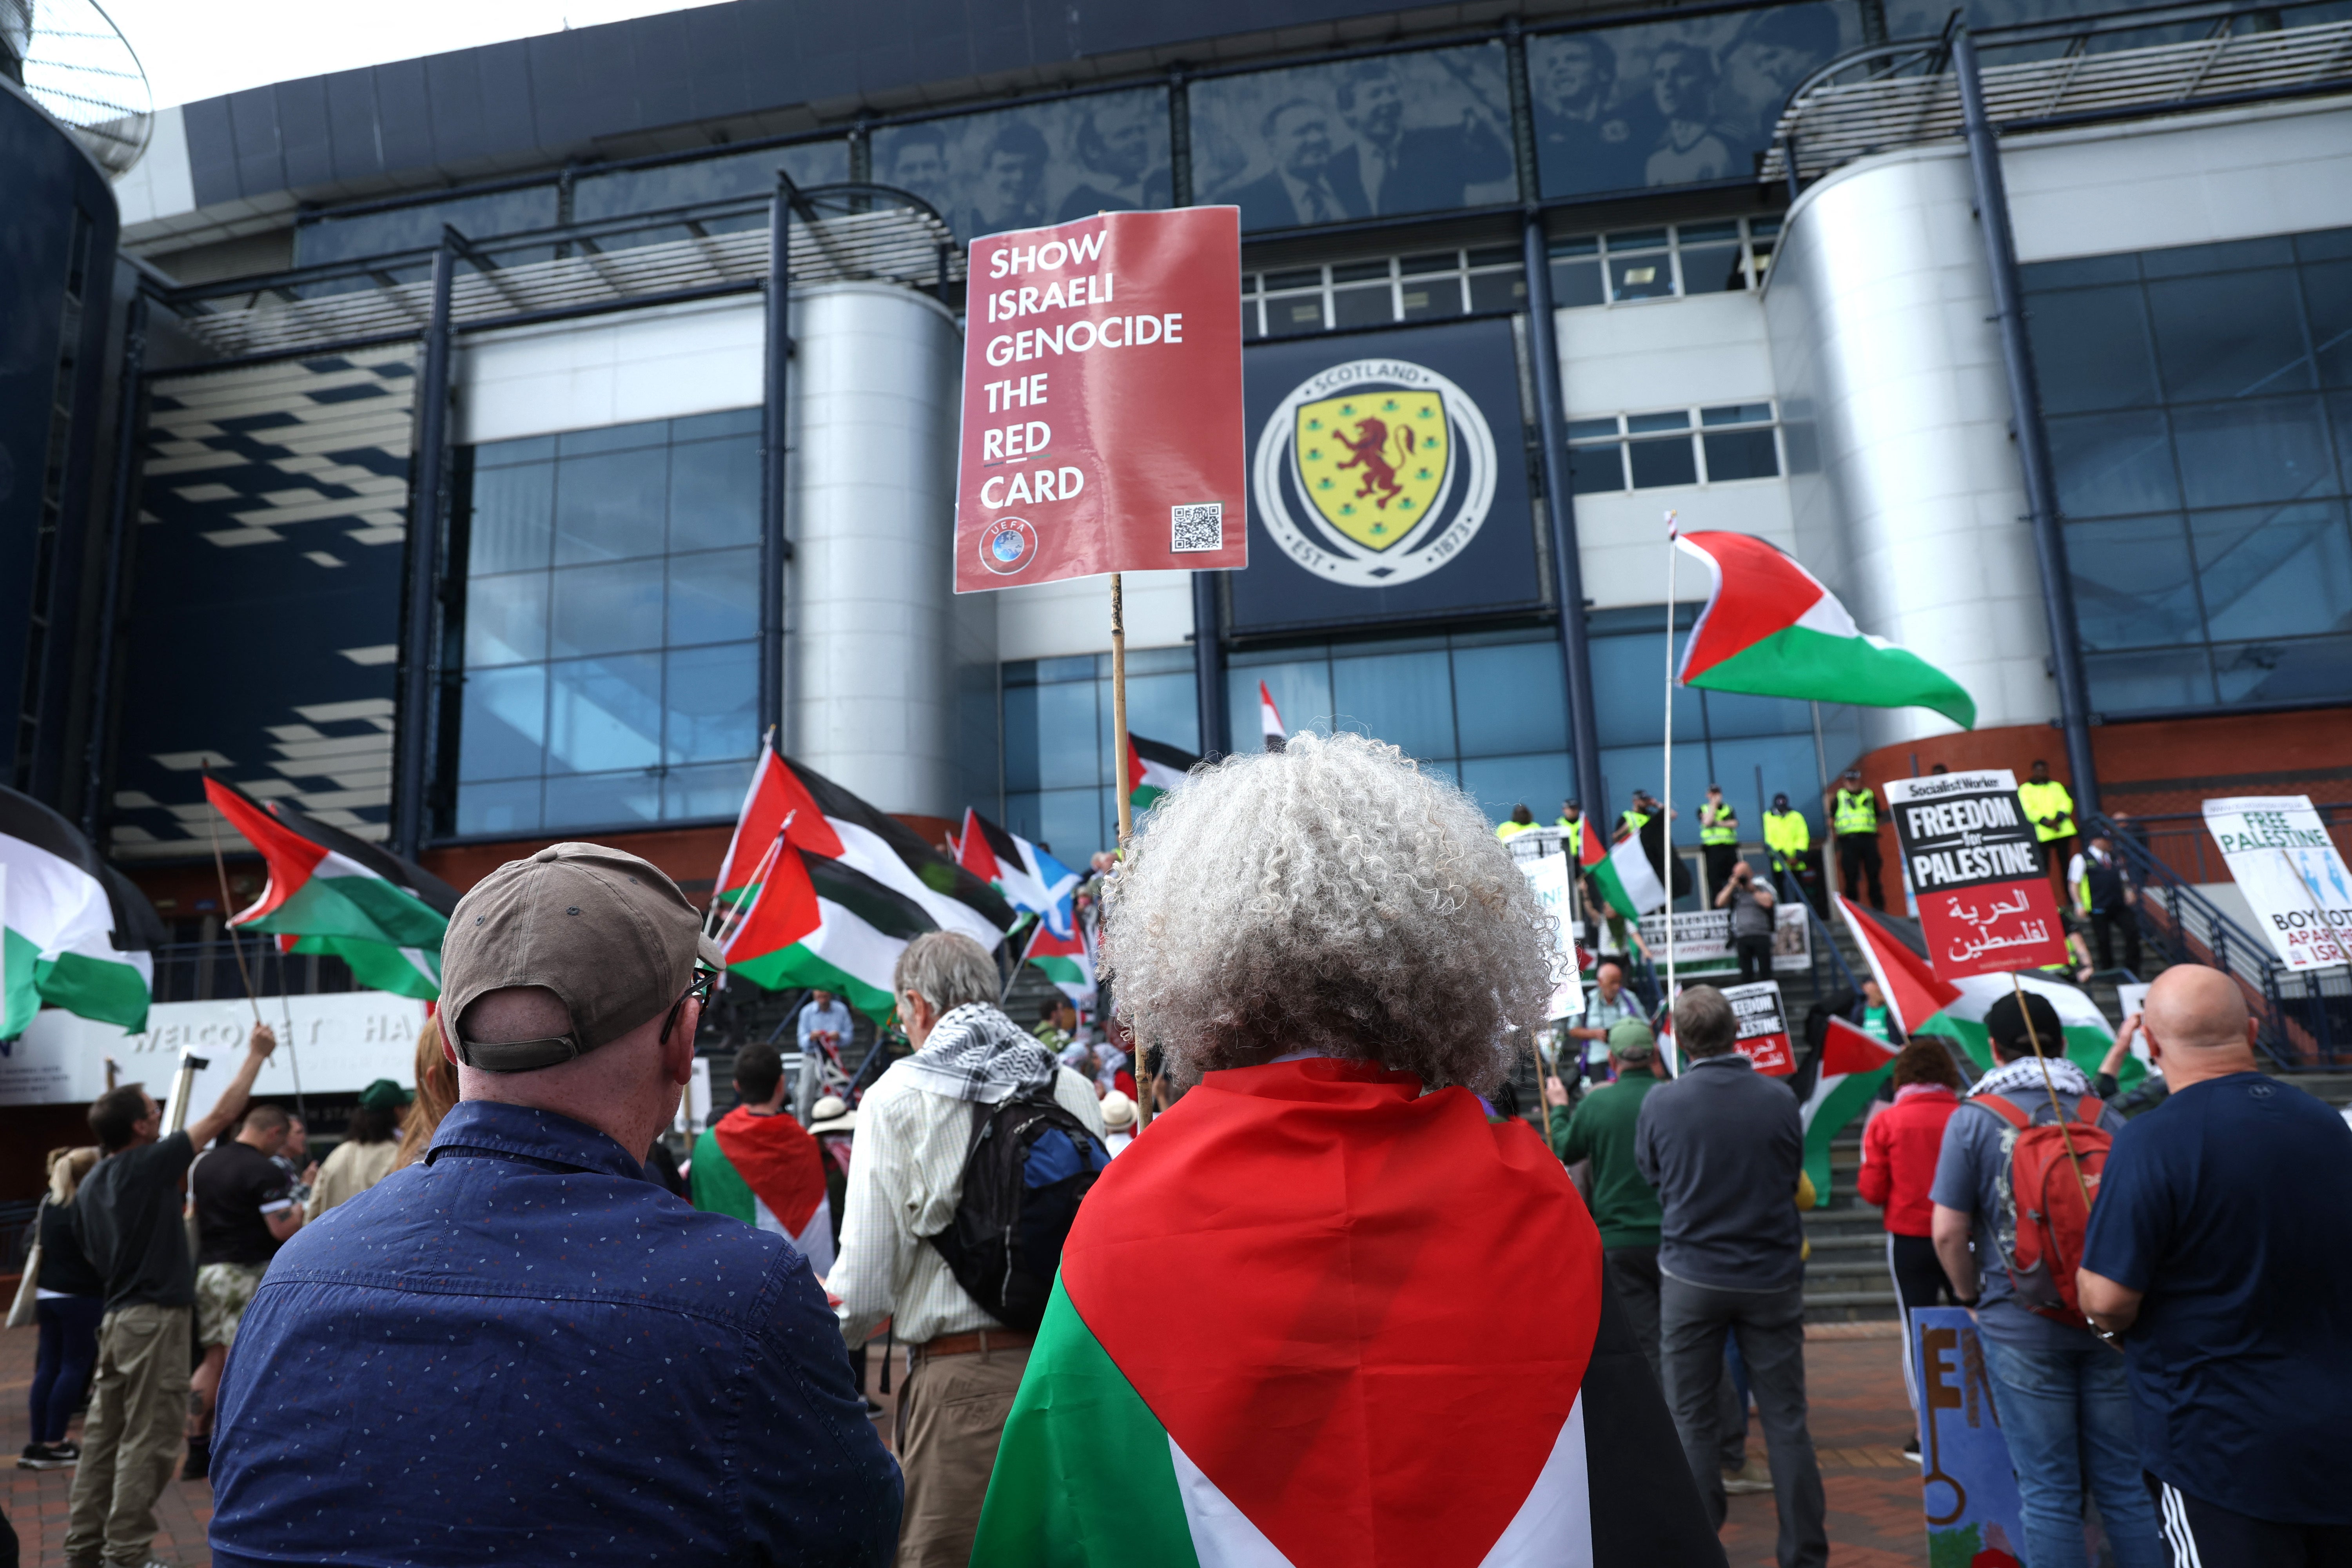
<point>1029,1165</point>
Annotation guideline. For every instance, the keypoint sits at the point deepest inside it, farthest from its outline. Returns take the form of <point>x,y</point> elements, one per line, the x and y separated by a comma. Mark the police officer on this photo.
<point>1571,816</point>
<point>1790,839</point>
<point>1718,838</point>
<point>1636,816</point>
<point>2052,811</point>
<point>1520,820</point>
<point>1853,822</point>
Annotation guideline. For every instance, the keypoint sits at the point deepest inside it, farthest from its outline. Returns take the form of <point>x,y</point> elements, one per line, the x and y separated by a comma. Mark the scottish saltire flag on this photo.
<point>1029,878</point>
<point>768,1171</point>
<point>329,893</point>
<point>1348,1252</point>
<point>74,932</point>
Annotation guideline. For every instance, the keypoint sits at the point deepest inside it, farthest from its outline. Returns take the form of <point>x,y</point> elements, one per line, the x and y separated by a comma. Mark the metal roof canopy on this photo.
<point>2079,71</point>
<point>840,233</point>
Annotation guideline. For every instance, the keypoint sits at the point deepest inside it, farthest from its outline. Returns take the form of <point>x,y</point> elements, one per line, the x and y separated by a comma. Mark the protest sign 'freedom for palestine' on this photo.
<point>1984,906</point>
<point>1102,400</point>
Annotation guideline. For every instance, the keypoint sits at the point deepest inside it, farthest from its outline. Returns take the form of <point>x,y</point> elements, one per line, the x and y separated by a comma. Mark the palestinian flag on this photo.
<point>1068,962</point>
<point>1269,719</point>
<point>1771,629</point>
<point>1854,1063</point>
<point>767,1172</point>
<point>1627,879</point>
<point>2087,1034</point>
<point>329,893</point>
<point>1153,770</point>
<point>1897,956</point>
<point>1028,877</point>
<point>1348,1251</point>
<point>74,932</point>
<point>875,884</point>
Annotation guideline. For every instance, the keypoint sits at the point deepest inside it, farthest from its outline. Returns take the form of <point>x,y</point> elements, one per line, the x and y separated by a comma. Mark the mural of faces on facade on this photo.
<point>1370,138</point>
<point>1672,103</point>
<point>1043,164</point>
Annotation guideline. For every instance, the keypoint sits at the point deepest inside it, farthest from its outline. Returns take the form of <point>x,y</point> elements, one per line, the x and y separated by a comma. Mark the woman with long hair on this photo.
<point>1899,1148</point>
<point>436,1091</point>
<point>70,1299</point>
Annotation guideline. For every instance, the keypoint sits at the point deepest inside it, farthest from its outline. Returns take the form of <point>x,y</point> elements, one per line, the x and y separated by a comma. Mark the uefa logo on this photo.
<point>1374,473</point>
<point>1008,545</point>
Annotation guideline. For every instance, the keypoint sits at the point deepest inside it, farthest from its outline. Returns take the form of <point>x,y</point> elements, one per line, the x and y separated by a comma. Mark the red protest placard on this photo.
<point>1102,400</point>
<point>1763,1036</point>
<point>1985,906</point>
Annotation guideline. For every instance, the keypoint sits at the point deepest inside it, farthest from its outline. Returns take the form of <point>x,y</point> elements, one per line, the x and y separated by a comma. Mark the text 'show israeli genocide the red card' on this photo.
<point>1102,400</point>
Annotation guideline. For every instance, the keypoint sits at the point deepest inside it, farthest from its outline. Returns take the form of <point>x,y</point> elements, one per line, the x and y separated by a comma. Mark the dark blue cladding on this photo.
<point>525,1352</point>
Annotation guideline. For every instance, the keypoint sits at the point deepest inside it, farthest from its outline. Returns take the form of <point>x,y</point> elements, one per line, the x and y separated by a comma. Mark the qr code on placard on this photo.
<point>1201,527</point>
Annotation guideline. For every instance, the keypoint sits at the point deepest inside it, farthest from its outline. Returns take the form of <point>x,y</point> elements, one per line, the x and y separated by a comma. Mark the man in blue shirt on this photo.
<point>2065,1409</point>
<point>2221,1249</point>
<point>523,1349</point>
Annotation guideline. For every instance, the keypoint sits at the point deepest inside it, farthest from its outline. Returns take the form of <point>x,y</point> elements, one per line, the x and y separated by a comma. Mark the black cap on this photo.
<point>2005,1022</point>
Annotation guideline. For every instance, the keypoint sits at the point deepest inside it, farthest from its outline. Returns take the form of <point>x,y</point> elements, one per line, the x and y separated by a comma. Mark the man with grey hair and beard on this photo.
<point>1724,1148</point>
<point>915,1129</point>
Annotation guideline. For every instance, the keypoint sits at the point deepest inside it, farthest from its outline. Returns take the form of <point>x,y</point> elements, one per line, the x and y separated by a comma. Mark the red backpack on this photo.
<point>2044,1208</point>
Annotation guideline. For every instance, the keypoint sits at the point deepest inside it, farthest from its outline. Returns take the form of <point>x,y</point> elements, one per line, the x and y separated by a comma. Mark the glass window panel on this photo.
<point>1437,261</point>
<point>712,696</point>
<point>2236,334</point>
<point>1302,694</point>
<point>1540,781</point>
<point>1691,233</point>
<point>1368,306</point>
<point>1670,419</point>
<point>2291,671</point>
<point>1741,455</point>
<point>527,450</point>
<point>710,426</point>
<point>1497,255</point>
<point>1733,714</point>
<point>1360,272</point>
<point>1650,277</point>
<point>598,799</point>
<point>1785,763</point>
<point>1626,676</point>
<point>605,713</point>
<point>513,517</point>
<point>1509,699</point>
<point>506,619</point>
<point>1286,318</point>
<point>2111,464</point>
<point>1587,430</point>
<point>419,227</point>
<point>1428,300</point>
<point>1712,269</point>
<point>510,806</point>
<point>613,439</point>
<point>2154,677</point>
<point>2091,350</point>
<point>2181,260</point>
<point>1581,245</point>
<point>2075,273</point>
<point>1021,742</point>
<point>2237,453</point>
<point>1304,277</point>
<point>714,494</point>
<point>1071,820</point>
<point>1404,698</point>
<point>2326,244</point>
<point>505,724</point>
<point>2134,584</point>
<point>2340,416</point>
<point>1575,283</point>
<point>1166,707</point>
<point>2327,297</point>
<point>714,790</point>
<point>1067,724</point>
<point>604,609</point>
<point>1637,239</point>
<point>1736,414</point>
<point>2274,572</point>
<point>1667,462</point>
<point>610,506</point>
<point>1499,291</point>
<point>1596,470</point>
<point>1366,138</point>
<point>713,596</point>
<point>1035,164</point>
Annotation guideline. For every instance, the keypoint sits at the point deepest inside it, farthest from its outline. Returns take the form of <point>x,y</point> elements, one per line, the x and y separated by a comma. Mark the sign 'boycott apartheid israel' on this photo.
<point>2286,865</point>
<point>1984,906</point>
<point>1102,400</point>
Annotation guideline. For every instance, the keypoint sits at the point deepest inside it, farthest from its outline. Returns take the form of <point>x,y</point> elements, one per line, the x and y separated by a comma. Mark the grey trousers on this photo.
<point>1770,1326</point>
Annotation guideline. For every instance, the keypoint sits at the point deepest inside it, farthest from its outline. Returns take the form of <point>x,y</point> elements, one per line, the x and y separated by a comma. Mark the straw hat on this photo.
<point>832,1115</point>
<point>1118,1113</point>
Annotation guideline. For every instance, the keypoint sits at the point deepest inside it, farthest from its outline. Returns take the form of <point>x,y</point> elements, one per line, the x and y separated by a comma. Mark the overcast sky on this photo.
<point>193,50</point>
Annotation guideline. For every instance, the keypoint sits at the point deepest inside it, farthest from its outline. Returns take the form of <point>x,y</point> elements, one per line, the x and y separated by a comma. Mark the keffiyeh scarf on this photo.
<point>976,1053</point>
<point>2023,1076</point>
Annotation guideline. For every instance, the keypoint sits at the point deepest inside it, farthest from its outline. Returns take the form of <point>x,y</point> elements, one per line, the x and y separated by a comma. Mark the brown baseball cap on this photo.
<point>606,931</point>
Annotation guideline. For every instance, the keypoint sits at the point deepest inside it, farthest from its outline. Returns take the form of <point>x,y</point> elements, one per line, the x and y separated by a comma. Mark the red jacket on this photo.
<point>1898,1156</point>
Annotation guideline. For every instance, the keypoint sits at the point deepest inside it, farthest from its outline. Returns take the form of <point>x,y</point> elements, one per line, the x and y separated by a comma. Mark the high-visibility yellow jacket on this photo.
<point>2051,799</point>
<point>1509,830</point>
<point>1718,825</point>
<point>1786,832</point>
<point>1631,821</point>
<point>1858,813</point>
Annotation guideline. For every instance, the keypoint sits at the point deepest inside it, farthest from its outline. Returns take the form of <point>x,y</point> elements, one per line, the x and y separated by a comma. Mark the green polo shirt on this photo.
<point>1623,1204</point>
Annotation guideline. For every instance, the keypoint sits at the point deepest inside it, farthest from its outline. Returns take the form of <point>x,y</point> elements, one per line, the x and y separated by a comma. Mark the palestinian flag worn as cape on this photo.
<point>1769,627</point>
<point>74,932</point>
<point>766,1171</point>
<point>329,893</point>
<point>1349,1253</point>
<point>875,884</point>
<point>1028,877</point>
<point>1068,962</point>
<point>1627,880</point>
<point>1153,770</point>
<point>2087,1034</point>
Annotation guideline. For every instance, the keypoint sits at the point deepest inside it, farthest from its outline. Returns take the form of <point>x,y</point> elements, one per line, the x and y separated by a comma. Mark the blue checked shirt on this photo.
<point>522,1351</point>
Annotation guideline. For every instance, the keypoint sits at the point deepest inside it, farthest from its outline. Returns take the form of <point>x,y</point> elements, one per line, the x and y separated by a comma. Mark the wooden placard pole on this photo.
<point>1145,1086</point>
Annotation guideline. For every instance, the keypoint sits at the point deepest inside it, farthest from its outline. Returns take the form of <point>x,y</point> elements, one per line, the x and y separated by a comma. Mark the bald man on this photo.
<point>2219,1253</point>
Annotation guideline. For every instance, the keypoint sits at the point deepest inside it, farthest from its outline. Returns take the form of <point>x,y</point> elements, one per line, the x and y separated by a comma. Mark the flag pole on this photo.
<point>1667,827</point>
<point>220,867</point>
<point>2049,1086</point>
<point>1119,706</point>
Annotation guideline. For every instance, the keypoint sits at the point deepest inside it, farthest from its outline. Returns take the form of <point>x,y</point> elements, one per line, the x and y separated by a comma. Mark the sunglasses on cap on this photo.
<point>697,990</point>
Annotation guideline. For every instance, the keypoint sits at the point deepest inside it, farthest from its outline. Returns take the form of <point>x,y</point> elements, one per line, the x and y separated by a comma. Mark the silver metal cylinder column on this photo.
<point>876,373</point>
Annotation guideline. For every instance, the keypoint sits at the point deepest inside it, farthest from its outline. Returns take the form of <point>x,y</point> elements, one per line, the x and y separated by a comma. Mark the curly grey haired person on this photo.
<point>1332,898</point>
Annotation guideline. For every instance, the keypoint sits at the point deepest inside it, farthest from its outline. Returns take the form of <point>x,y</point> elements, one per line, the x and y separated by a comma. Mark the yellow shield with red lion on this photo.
<point>1374,462</point>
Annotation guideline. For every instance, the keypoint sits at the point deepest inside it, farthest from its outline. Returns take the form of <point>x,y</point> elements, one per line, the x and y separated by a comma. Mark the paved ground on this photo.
<point>1859,1422</point>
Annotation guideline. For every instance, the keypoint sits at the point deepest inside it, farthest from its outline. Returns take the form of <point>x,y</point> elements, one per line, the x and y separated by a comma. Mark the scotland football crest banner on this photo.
<point>1388,478</point>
